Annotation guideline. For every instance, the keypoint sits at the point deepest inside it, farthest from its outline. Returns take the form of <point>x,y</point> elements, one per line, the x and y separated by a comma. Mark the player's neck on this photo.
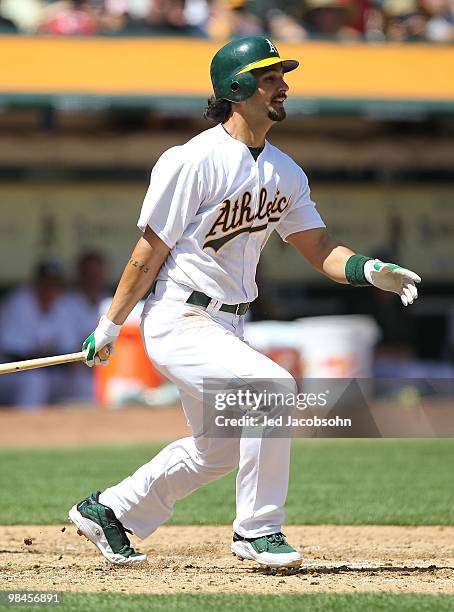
<point>252,135</point>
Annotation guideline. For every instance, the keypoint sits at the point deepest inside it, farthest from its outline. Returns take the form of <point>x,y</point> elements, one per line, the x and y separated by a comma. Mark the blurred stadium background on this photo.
<point>92,92</point>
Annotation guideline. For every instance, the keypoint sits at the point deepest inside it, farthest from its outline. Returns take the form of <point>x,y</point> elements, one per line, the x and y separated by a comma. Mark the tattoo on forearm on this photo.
<point>141,267</point>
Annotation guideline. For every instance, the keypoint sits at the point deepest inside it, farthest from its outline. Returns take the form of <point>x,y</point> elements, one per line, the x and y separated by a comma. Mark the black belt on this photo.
<point>200,299</point>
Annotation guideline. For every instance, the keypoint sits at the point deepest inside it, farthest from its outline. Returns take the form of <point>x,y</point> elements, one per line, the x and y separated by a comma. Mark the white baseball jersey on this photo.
<point>215,207</point>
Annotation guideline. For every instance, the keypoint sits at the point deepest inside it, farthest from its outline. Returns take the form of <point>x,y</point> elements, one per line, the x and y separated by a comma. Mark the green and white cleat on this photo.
<point>99,524</point>
<point>271,551</point>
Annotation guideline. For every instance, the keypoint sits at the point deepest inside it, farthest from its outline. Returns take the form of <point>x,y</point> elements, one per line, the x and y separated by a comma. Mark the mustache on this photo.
<point>283,96</point>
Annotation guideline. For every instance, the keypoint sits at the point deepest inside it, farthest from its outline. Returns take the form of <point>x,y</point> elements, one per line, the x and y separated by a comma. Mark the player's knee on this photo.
<point>217,454</point>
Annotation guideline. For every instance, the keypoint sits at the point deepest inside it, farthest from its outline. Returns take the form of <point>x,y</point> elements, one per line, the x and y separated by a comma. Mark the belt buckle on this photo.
<point>241,307</point>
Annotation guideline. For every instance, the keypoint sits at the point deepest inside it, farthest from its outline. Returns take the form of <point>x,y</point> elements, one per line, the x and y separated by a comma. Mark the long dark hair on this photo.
<point>217,111</point>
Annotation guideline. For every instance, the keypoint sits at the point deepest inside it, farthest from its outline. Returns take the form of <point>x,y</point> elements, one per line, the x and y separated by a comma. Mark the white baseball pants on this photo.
<point>187,344</point>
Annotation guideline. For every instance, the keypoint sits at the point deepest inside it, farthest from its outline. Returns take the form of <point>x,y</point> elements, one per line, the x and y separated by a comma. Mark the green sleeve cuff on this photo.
<point>354,270</point>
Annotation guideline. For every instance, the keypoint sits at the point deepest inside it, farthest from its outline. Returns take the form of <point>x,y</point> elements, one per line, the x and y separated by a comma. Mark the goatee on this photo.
<point>276,114</point>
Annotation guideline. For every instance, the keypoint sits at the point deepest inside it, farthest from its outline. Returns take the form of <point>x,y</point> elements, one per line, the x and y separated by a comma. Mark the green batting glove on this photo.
<point>391,277</point>
<point>103,337</point>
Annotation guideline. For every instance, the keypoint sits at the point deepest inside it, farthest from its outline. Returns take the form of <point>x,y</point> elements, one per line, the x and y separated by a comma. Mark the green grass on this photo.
<point>406,482</point>
<point>320,602</point>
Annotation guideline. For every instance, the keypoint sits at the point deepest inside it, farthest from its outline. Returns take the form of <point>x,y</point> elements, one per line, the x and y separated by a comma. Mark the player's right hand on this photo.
<point>103,337</point>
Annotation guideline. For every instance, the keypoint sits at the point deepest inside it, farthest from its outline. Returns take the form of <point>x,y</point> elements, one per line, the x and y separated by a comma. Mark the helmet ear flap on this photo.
<point>242,86</point>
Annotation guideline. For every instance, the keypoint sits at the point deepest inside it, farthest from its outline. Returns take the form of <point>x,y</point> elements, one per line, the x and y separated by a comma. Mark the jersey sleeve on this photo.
<point>173,197</point>
<point>301,214</point>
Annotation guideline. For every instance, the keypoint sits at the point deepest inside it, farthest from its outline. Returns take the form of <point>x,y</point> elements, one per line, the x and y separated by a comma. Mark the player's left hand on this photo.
<point>391,277</point>
<point>99,345</point>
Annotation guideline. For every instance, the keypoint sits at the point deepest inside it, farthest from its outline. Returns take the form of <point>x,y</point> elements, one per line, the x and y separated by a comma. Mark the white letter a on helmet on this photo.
<point>272,47</point>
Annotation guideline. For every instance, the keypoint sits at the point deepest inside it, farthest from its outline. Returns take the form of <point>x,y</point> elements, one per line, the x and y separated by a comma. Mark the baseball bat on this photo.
<point>42,362</point>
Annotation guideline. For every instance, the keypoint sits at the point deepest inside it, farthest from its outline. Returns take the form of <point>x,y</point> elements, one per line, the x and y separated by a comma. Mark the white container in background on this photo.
<point>337,346</point>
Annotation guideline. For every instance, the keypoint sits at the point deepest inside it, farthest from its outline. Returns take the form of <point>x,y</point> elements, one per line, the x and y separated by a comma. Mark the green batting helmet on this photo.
<point>231,66</point>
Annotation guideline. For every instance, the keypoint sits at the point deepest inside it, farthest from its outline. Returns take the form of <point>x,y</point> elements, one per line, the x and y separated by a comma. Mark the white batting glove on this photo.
<point>102,338</point>
<point>391,277</point>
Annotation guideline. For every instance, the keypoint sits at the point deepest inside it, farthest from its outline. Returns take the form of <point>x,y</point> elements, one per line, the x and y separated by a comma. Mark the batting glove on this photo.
<point>102,338</point>
<point>391,277</point>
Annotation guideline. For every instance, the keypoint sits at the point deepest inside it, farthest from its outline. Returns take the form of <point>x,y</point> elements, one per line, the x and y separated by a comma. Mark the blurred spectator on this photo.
<point>115,16</point>
<point>72,17</point>
<point>26,14</point>
<point>440,20</point>
<point>285,27</point>
<point>137,9</point>
<point>166,14</point>
<point>34,323</point>
<point>325,19</point>
<point>197,14</point>
<point>242,20</point>
<point>82,307</point>
<point>359,16</point>
<point>404,21</point>
<point>7,26</point>
<point>374,23</point>
<point>89,292</point>
<point>161,18</point>
<point>329,19</point>
<point>235,19</point>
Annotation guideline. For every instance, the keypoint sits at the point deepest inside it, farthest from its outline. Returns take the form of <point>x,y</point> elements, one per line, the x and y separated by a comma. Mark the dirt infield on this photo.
<point>197,559</point>
<point>90,425</point>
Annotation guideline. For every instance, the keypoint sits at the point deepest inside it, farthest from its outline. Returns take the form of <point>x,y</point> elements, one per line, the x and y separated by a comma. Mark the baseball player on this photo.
<point>210,208</point>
